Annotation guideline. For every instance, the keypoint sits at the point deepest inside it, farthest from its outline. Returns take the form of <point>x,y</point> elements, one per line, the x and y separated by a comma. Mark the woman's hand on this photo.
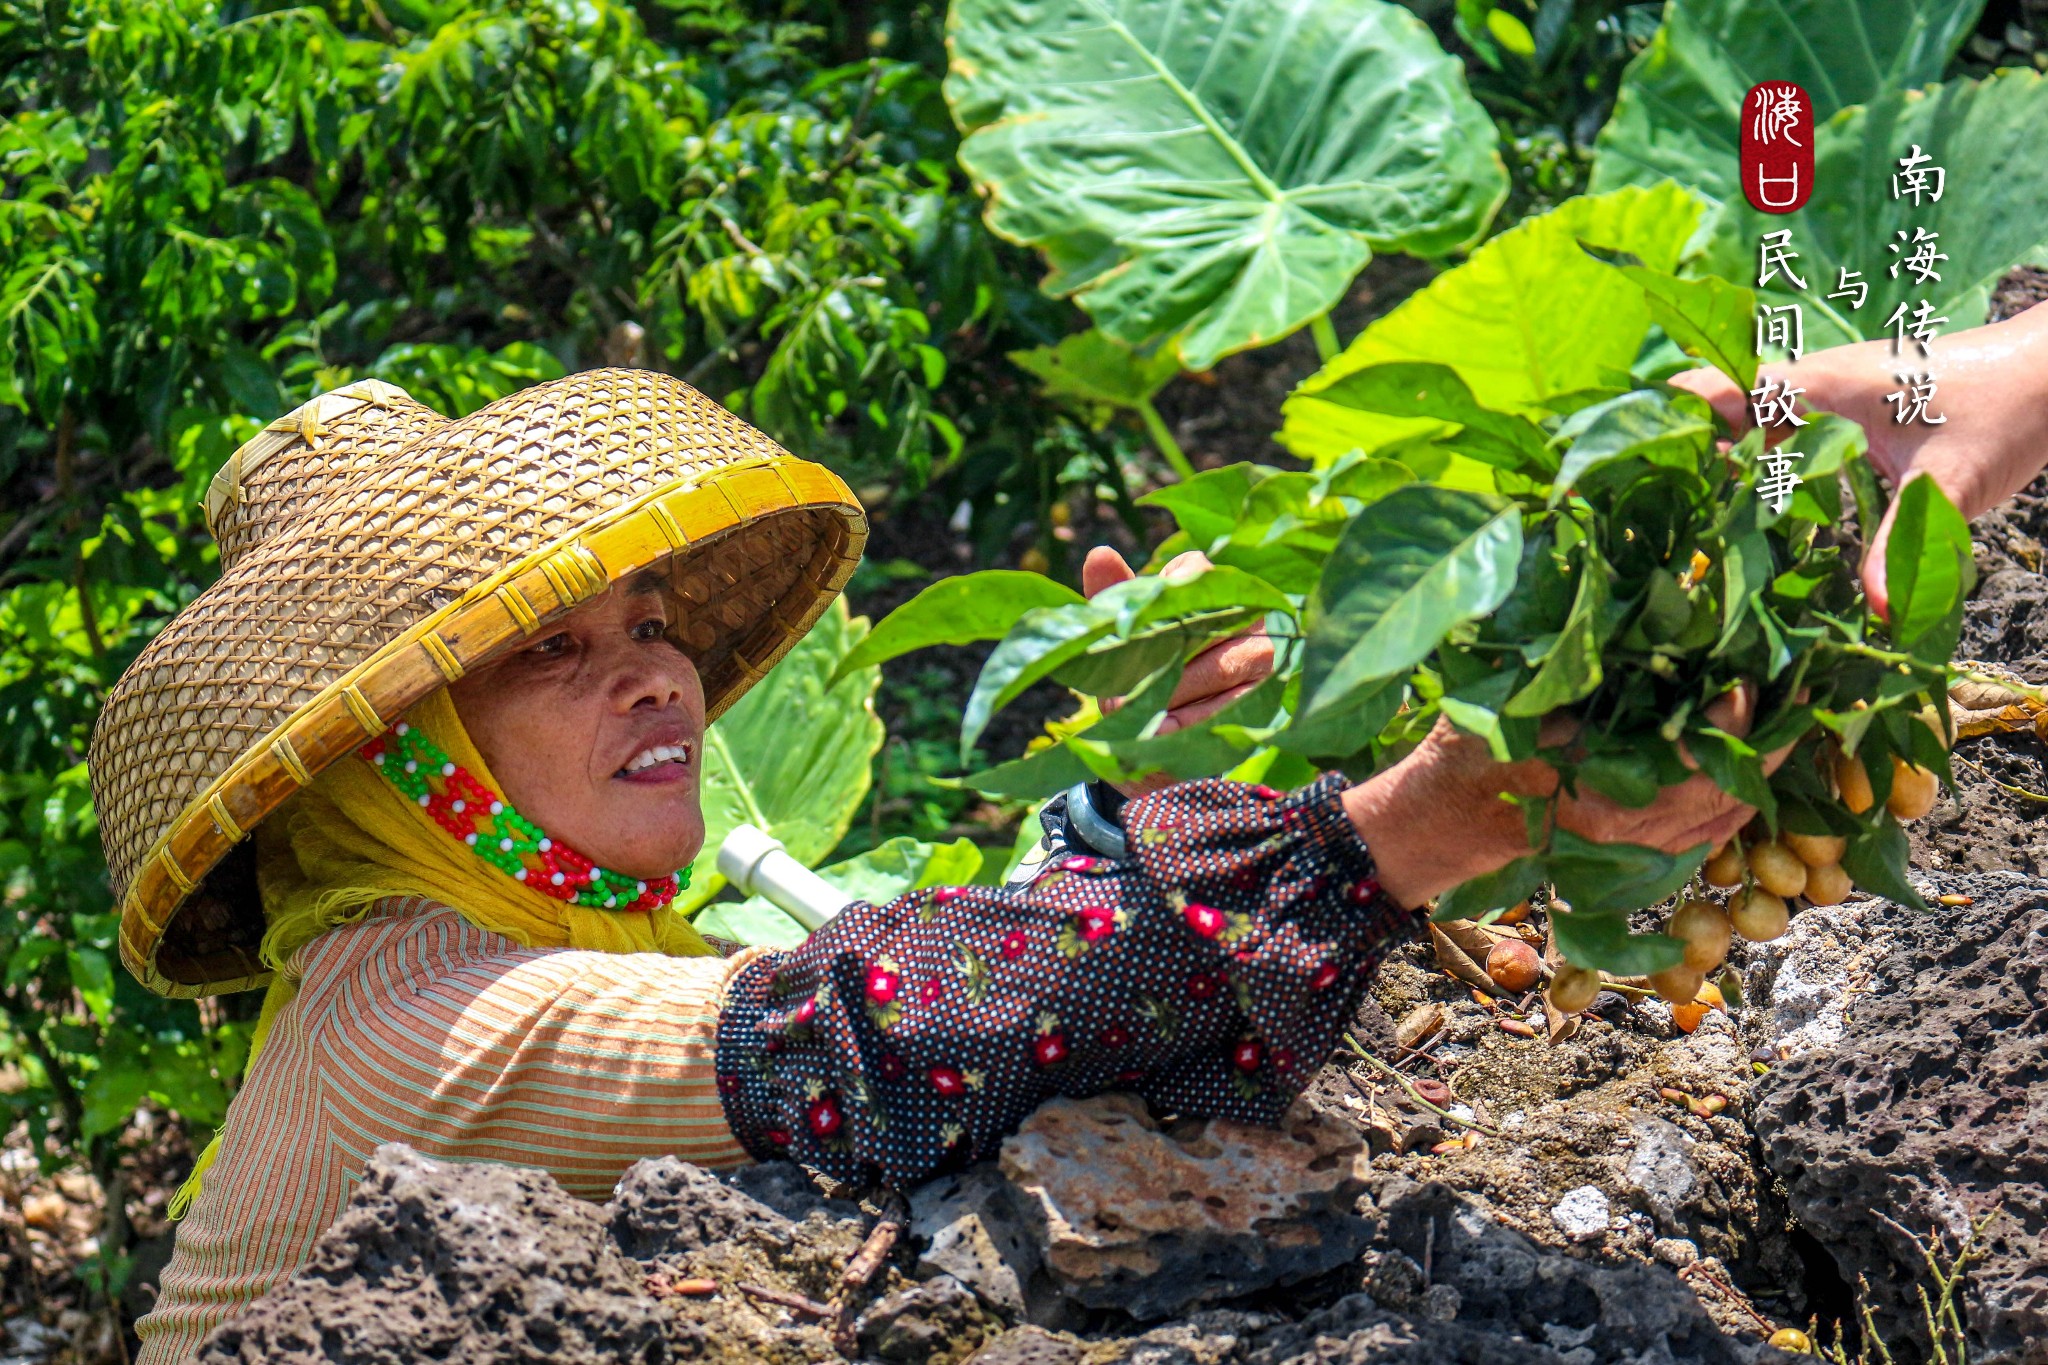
<point>1992,386</point>
<point>1438,818</point>
<point>1213,679</point>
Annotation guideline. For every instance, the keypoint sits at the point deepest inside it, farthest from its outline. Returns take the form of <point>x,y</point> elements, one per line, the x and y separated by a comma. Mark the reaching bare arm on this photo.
<point>1993,388</point>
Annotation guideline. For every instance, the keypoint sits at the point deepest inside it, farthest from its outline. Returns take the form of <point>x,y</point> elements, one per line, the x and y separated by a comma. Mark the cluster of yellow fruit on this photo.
<point>1769,874</point>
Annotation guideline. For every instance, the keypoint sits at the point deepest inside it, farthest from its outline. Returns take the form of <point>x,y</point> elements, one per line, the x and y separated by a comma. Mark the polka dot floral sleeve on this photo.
<point>1211,972</point>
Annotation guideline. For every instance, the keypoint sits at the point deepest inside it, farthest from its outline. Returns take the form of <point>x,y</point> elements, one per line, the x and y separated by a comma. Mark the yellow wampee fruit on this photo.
<point>1854,785</point>
<point>1513,965</point>
<point>1573,988</point>
<point>1704,929</point>
<point>1778,869</point>
<point>1758,915</point>
<point>1815,850</point>
<point>1677,985</point>
<point>1914,790</point>
<point>1828,885</point>
<point>1694,1012</point>
<point>1726,868</point>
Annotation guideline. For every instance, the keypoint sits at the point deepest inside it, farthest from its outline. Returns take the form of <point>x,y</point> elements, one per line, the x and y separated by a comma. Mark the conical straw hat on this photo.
<point>293,464</point>
<point>408,568</point>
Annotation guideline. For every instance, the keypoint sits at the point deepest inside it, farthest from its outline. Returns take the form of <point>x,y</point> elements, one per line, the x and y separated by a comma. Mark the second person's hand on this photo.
<point>1992,385</point>
<point>1213,679</point>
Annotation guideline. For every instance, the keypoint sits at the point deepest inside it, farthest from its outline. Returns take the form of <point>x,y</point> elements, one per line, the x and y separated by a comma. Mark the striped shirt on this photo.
<point>415,1026</point>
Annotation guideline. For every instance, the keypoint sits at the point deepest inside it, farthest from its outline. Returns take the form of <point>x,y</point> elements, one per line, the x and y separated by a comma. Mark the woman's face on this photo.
<point>595,730</point>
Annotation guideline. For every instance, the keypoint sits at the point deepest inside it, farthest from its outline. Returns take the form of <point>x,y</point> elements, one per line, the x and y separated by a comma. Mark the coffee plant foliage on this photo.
<point>211,211</point>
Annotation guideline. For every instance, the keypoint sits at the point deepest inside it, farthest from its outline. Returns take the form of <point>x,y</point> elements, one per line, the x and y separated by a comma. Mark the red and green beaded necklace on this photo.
<point>500,835</point>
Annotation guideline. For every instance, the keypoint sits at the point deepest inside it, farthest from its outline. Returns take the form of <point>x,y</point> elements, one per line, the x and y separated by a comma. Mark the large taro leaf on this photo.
<point>1679,110</point>
<point>792,756</point>
<point>1529,316</point>
<point>1992,215</point>
<point>1214,171</point>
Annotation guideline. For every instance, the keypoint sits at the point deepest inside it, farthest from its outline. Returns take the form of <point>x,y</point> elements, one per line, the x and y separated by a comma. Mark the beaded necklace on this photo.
<point>501,836</point>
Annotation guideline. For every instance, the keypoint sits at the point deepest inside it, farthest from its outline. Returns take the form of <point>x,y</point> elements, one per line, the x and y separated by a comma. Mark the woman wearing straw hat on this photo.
<point>423,763</point>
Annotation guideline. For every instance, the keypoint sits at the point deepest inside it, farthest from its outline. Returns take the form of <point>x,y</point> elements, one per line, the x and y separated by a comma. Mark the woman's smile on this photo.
<point>661,762</point>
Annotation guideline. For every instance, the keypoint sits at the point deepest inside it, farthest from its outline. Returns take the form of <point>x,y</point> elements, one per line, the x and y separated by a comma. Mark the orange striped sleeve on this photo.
<point>580,1063</point>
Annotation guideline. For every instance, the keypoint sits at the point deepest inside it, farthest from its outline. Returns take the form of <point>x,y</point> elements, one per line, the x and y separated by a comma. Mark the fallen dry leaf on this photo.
<point>1455,958</point>
<point>1422,1022</point>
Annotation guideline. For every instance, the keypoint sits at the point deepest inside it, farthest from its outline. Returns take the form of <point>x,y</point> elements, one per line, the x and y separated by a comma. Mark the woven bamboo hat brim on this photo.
<point>415,565</point>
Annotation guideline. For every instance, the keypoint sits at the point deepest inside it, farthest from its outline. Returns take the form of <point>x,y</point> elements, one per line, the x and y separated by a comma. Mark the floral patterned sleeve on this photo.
<point>1211,972</point>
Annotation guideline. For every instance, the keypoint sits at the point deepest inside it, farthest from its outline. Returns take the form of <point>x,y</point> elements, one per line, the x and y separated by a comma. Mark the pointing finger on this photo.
<point>1103,568</point>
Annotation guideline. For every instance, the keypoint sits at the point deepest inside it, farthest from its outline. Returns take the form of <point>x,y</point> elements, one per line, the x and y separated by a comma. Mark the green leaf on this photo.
<point>112,1094</point>
<point>1361,479</point>
<point>1928,567</point>
<point>1877,859</point>
<point>1572,668</point>
<point>792,757</point>
<point>1034,777</point>
<point>1598,878</point>
<point>1679,110</point>
<point>1529,316</point>
<point>1475,704</point>
<point>1338,731</point>
<point>1604,942</point>
<point>1098,373</point>
<point>1209,746</point>
<point>1984,134</point>
<point>1042,639</point>
<point>957,611</point>
<point>92,976</point>
<point>756,921</point>
<point>1736,766</point>
<point>1639,423</point>
<point>1161,618</point>
<point>1409,568</point>
<point>1709,318</point>
<point>1207,506</point>
<point>1629,777</point>
<point>1429,390</point>
<point>881,874</point>
<point>1214,172</point>
<point>1510,885</point>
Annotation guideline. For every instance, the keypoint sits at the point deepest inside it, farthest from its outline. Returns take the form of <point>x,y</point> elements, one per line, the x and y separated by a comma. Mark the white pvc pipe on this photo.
<point>757,863</point>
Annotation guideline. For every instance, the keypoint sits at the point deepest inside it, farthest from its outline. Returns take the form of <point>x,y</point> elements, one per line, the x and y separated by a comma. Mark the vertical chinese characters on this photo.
<point>1773,402</point>
<point>1919,255</point>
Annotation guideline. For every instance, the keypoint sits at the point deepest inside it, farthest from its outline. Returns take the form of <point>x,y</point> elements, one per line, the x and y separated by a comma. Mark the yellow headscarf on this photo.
<point>351,839</point>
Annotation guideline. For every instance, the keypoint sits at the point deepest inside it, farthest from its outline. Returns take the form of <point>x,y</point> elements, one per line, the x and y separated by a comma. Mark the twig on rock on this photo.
<point>1402,1081</point>
<point>1728,1291</point>
<point>873,1254</point>
<point>795,1303</point>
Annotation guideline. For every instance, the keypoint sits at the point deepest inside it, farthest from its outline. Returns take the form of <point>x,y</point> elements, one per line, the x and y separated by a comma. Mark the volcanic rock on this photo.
<point>434,1261</point>
<point>1154,1222</point>
<point>1930,1114</point>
